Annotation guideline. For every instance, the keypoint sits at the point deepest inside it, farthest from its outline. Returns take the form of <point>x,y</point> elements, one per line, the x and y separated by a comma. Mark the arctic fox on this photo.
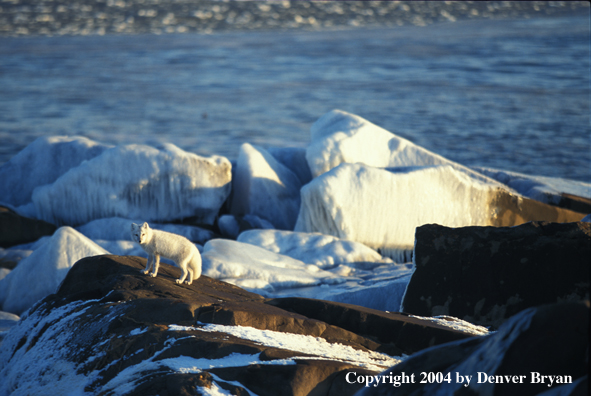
<point>172,246</point>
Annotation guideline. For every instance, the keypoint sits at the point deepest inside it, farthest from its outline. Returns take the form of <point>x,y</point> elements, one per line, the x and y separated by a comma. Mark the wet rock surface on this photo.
<point>485,274</point>
<point>124,330</point>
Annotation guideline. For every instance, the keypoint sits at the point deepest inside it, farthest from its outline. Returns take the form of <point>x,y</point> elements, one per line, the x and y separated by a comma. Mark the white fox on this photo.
<point>172,246</point>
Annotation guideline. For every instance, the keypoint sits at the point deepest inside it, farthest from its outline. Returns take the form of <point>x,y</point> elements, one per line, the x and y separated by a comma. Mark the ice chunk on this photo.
<point>265,188</point>
<point>339,137</point>
<point>137,181</point>
<point>294,158</point>
<point>324,251</point>
<point>41,163</point>
<point>258,269</point>
<point>381,208</point>
<point>41,273</point>
<point>229,226</point>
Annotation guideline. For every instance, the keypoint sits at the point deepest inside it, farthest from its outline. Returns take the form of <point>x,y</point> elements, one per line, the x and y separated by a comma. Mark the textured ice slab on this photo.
<point>41,273</point>
<point>339,137</point>
<point>41,163</point>
<point>325,251</point>
<point>382,208</point>
<point>265,188</point>
<point>259,270</point>
<point>137,181</point>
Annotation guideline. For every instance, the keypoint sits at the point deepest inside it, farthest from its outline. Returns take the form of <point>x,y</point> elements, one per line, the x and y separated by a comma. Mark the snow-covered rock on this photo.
<point>339,137</point>
<point>382,207</point>
<point>137,181</point>
<point>40,274</point>
<point>118,228</point>
<point>259,270</point>
<point>41,163</point>
<point>325,251</point>
<point>265,188</point>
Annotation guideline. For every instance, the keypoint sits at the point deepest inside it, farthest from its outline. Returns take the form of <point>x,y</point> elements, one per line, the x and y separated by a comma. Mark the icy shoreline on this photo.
<point>101,17</point>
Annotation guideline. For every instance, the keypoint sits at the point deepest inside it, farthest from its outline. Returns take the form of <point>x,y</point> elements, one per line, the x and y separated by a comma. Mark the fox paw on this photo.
<point>178,281</point>
<point>188,283</point>
<point>153,275</point>
<point>144,272</point>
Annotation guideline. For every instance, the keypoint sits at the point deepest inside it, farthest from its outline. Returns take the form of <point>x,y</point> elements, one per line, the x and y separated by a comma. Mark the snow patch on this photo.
<point>305,344</point>
<point>258,269</point>
<point>325,251</point>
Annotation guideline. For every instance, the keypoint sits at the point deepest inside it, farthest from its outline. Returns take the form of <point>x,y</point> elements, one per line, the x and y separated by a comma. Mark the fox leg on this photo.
<point>156,265</point>
<point>148,264</point>
<point>183,265</point>
<point>190,280</point>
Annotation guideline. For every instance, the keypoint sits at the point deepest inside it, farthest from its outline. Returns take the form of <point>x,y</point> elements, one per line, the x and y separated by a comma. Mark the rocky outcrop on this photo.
<point>540,349</point>
<point>16,229</point>
<point>484,275</point>
<point>111,327</point>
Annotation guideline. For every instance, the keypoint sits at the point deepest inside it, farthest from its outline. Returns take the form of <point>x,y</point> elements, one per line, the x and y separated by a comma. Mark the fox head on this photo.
<point>139,233</point>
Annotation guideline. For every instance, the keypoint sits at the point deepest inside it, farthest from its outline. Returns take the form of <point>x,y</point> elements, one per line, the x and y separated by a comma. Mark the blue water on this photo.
<point>507,94</point>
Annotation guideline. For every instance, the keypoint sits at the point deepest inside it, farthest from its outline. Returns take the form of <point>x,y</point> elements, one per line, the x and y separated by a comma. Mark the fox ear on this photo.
<point>145,226</point>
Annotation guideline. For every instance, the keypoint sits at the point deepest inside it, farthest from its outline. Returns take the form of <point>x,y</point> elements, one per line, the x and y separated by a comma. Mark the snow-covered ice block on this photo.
<point>41,163</point>
<point>41,273</point>
<point>265,188</point>
<point>381,208</point>
<point>137,181</point>
<point>294,158</point>
<point>325,251</point>
<point>118,228</point>
<point>259,270</point>
<point>339,137</point>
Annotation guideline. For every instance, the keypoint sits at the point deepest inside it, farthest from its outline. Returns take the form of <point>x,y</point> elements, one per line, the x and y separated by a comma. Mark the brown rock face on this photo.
<point>486,274</point>
<point>16,229</point>
<point>126,324</point>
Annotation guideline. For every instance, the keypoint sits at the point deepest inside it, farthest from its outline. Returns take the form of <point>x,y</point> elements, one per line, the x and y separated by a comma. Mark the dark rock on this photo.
<point>574,202</point>
<point>119,327</point>
<point>547,340</point>
<point>16,229</point>
<point>484,275</point>
<point>397,330</point>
